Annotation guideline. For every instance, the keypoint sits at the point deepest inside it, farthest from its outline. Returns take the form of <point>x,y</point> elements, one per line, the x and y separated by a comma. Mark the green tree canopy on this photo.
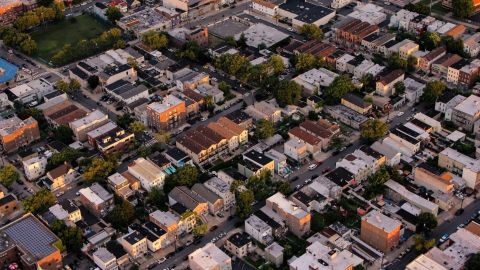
<point>200,229</point>
<point>373,130</point>
<point>67,154</point>
<point>64,134</point>
<point>136,126</point>
<point>311,31</point>
<point>8,175</point>
<point>432,91</point>
<point>155,40</point>
<point>462,8</point>
<point>244,200</point>
<point>72,237</point>
<point>184,176</point>
<point>473,263</point>
<point>426,222</point>
<point>275,63</point>
<point>430,40</point>
<point>454,45</point>
<point>340,86</point>
<point>39,202</point>
<point>113,14</point>
<point>93,81</point>
<point>305,62</point>
<point>394,61</point>
<point>99,169</point>
<point>422,245</point>
<point>287,93</point>
<point>264,129</point>
<point>157,197</point>
<point>399,87</point>
<point>122,215</point>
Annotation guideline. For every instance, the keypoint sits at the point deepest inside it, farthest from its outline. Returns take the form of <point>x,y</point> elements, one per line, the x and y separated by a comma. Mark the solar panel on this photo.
<point>32,236</point>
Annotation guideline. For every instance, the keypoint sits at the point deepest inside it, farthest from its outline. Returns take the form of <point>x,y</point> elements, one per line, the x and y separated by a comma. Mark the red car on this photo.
<point>325,170</point>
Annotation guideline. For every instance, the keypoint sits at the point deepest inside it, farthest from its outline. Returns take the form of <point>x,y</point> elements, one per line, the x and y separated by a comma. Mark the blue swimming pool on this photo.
<point>9,70</point>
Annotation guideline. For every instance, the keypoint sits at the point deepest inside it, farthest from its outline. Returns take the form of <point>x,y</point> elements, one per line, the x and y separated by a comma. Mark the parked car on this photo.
<point>312,167</point>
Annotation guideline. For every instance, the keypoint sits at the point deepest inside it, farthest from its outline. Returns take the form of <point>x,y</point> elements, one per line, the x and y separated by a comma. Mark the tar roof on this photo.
<point>257,157</point>
<point>240,239</point>
<point>340,176</point>
<point>305,11</point>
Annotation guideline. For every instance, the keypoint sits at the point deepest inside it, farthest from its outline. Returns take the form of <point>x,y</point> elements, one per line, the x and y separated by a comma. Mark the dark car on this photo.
<point>213,228</point>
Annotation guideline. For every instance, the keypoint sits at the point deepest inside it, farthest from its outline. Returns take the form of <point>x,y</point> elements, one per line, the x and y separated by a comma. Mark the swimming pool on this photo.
<point>9,70</point>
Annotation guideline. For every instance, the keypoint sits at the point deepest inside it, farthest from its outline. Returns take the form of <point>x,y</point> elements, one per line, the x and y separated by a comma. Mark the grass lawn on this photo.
<point>52,37</point>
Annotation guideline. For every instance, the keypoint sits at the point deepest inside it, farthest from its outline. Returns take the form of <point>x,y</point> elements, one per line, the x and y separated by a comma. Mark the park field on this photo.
<point>52,37</point>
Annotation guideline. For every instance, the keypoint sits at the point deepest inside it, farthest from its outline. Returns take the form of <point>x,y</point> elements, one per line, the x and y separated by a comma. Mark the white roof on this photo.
<point>146,169</point>
<point>260,33</point>
<point>287,205</point>
<point>209,256</point>
<point>167,103</point>
<point>455,136</point>
<point>472,164</point>
<point>423,262</point>
<point>165,218</point>
<point>117,179</point>
<point>101,130</point>
<point>104,255</point>
<point>58,211</point>
<point>90,118</point>
<point>379,220</point>
<point>470,106</point>
<point>91,196</point>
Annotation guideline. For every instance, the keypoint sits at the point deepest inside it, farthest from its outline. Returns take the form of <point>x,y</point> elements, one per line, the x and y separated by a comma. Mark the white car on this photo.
<point>161,260</point>
<point>400,113</point>
<point>312,167</point>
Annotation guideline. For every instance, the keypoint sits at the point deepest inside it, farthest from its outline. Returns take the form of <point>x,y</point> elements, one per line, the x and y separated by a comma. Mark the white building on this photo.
<point>413,89</point>
<point>446,103</point>
<point>312,80</point>
<point>269,8</point>
<point>318,256</point>
<point>295,149</point>
<point>104,259</point>
<point>209,257</point>
<point>369,13</point>
<point>340,3</point>
<point>222,189</point>
<point>341,64</point>
<point>34,167</point>
<point>258,229</point>
<point>149,174</point>
<point>88,123</point>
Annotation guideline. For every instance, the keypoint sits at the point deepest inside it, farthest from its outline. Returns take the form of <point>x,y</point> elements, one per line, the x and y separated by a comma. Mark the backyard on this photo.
<point>52,38</point>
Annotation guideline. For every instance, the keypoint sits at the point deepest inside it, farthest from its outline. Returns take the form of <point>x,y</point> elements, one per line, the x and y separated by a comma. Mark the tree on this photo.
<point>305,62</point>
<point>155,40</point>
<point>62,86</point>
<point>244,200</point>
<point>337,142</point>
<point>340,86</point>
<point>136,127</point>
<point>224,87</point>
<point>184,176</point>
<point>72,237</point>
<point>99,169</point>
<point>432,91</point>
<point>157,197</point>
<point>242,41</point>
<point>422,245</point>
<point>74,85</point>
<point>373,130</point>
<point>263,129</point>
<point>28,46</point>
<point>200,229</point>
<point>421,8</point>
<point>192,51</point>
<point>311,31</point>
<point>209,102</point>
<point>462,8</point>
<point>39,202</point>
<point>8,175</point>
<point>122,215</point>
<point>113,14</point>
<point>162,136</point>
<point>312,115</point>
<point>426,222</point>
<point>64,134</point>
<point>454,45</point>
<point>412,63</point>
<point>45,3</point>
<point>394,61</point>
<point>275,63</point>
<point>287,93</point>
<point>93,81</point>
<point>399,87</point>
<point>124,120</point>
<point>283,187</point>
<point>67,154</point>
<point>473,263</point>
<point>430,40</point>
